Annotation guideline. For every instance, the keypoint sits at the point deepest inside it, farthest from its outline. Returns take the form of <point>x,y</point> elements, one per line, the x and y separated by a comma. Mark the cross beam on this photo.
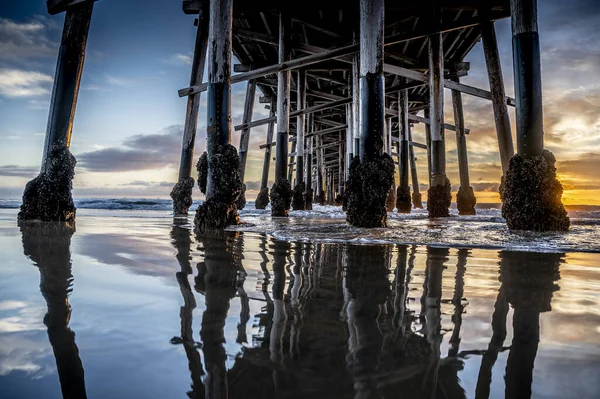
<point>327,55</point>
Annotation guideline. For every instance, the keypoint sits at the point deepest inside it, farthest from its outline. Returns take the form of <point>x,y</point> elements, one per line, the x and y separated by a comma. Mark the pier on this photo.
<point>344,82</point>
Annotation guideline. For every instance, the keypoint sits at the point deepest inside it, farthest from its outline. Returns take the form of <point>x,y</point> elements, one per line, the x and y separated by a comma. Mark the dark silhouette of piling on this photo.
<point>532,193</point>
<point>465,199</point>
<point>48,246</point>
<point>403,198</point>
<point>223,186</point>
<point>182,191</point>
<point>48,196</point>
<point>372,173</point>
<point>281,192</point>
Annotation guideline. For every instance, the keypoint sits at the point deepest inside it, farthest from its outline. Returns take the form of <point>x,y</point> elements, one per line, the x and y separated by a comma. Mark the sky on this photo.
<point>129,121</point>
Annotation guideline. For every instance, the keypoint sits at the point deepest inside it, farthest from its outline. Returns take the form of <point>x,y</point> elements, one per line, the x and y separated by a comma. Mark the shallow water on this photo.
<point>133,305</point>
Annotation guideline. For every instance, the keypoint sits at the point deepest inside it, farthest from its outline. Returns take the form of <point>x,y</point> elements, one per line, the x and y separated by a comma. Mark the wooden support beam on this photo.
<point>349,140</point>
<point>267,161</point>
<point>448,84</point>
<point>305,111</point>
<point>355,104</point>
<point>501,117</point>
<point>69,67</point>
<point>413,169</point>
<point>428,144</point>
<point>461,141</point>
<point>283,99</point>
<point>300,105</point>
<point>57,6</point>
<point>418,145</point>
<point>436,106</point>
<point>218,125</point>
<point>528,78</point>
<point>403,130</point>
<point>326,55</point>
<point>245,136</point>
<point>327,131</point>
<point>193,103</point>
<point>372,82</point>
<point>426,121</point>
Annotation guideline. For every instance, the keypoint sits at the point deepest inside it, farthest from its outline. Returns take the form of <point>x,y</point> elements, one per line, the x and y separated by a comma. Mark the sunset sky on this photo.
<point>128,125</point>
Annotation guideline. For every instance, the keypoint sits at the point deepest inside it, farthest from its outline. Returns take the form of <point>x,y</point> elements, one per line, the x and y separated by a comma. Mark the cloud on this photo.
<point>119,81</point>
<point>21,41</point>
<point>139,152</point>
<point>144,183</point>
<point>19,83</point>
<point>18,171</point>
<point>180,59</point>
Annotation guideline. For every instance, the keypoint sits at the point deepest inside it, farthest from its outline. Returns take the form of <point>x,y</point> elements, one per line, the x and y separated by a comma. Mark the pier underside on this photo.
<point>345,82</point>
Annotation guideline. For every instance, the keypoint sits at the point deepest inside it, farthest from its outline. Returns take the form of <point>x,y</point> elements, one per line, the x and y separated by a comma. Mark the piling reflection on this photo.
<point>326,306</point>
<point>48,246</point>
<point>182,241</point>
<point>530,281</point>
<point>217,280</point>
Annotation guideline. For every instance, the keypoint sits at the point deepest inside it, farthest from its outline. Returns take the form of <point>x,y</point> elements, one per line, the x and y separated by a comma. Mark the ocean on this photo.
<point>327,223</point>
<point>133,304</point>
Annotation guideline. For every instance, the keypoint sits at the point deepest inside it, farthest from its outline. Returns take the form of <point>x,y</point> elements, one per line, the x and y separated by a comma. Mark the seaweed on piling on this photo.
<point>403,200</point>
<point>48,196</point>
<point>281,197</point>
<point>532,197</point>
<point>241,202</point>
<point>391,199</point>
<point>308,199</point>
<point>262,199</point>
<point>298,200</point>
<point>367,191</point>
<point>182,196</point>
<point>465,201</point>
<point>417,200</point>
<point>202,167</point>
<point>219,210</point>
<point>439,199</point>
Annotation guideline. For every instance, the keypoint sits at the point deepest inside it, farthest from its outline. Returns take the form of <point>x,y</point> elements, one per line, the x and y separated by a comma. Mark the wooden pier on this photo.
<point>344,82</point>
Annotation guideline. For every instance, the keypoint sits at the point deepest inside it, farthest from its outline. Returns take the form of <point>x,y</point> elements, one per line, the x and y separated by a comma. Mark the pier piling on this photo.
<point>182,191</point>
<point>262,199</point>
<point>371,175</point>
<point>281,192</point>
<point>403,198</point>
<point>465,198</point>
<point>494,69</point>
<point>416,195</point>
<point>439,196</point>
<point>532,192</point>
<point>48,196</point>
<point>298,202</point>
<point>245,138</point>
<point>224,186</point>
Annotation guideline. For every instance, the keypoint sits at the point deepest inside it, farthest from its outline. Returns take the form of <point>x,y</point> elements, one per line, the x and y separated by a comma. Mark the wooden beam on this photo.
<point>447,126</point>
<point>327,55</point>
<point>57,6</point>
<point>308,110</point>
<point>448,84</point>
<point>501,117</point>
<point>245,136</point>
<point>326,131</point>
<point>283,99</point>
<point>65,89</point>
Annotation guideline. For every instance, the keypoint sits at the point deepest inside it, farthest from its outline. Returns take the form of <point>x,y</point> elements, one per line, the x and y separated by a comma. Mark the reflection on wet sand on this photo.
<point>530,281</point>
<point>343,327</point>
<point>181,239</point>
<point>48,246</point>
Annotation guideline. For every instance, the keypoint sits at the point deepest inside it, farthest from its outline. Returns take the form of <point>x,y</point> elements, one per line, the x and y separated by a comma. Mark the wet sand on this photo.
<point>134,305</point>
